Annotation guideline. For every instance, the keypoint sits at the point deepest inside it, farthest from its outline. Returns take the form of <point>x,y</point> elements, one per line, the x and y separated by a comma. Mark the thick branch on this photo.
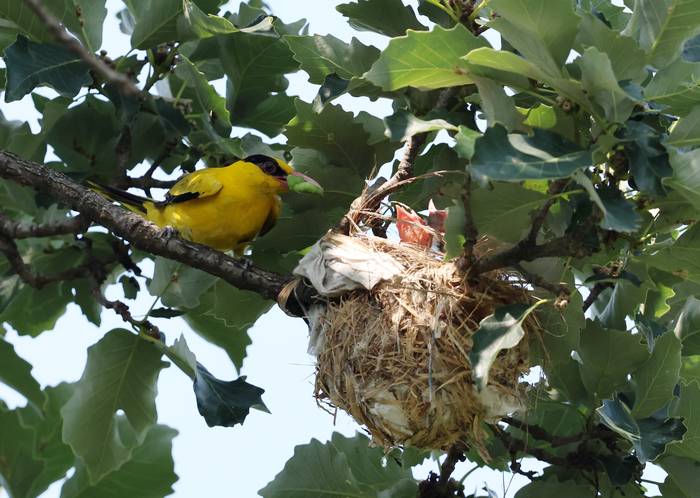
<point>18,230</point>
<point>595,293</point>
<point>141,233</point>
<point>121,81</point>
<point>527,251</point>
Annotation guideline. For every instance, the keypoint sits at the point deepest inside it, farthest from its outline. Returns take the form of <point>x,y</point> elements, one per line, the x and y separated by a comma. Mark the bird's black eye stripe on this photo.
<point>269,165</point>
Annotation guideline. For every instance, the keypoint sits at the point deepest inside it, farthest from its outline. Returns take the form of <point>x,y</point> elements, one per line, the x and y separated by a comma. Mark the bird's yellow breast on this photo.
<point>230,217</point>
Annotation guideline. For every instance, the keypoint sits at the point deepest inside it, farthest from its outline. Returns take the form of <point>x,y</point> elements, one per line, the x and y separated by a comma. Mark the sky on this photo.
<point>230,462</point>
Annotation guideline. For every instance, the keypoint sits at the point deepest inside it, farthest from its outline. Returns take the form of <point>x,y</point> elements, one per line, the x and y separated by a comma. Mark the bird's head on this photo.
<point>287,177</point>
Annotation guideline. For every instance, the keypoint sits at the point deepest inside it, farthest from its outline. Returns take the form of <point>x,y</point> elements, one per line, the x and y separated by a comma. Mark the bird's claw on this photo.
<point>170,232</point>
<point>247,263</point>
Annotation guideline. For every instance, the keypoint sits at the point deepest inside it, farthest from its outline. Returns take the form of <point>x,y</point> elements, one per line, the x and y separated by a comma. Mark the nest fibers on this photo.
<point>393,339</point>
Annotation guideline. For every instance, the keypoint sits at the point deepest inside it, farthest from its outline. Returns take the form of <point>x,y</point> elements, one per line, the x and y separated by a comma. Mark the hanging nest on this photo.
<point>394,352</point>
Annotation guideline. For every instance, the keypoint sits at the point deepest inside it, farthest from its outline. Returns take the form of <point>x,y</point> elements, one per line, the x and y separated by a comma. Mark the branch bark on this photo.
<point>121,81</point>
<point>141,233</point>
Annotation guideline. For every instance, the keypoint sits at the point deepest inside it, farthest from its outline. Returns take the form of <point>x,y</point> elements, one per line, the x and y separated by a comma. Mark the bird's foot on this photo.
<point>170,232</point>
<point>246,262</point>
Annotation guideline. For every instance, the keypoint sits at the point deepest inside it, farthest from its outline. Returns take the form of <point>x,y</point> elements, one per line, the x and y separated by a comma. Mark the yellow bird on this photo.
<point>224,208</point>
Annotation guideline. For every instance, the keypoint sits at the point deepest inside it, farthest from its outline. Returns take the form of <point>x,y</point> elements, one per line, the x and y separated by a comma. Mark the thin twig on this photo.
<point>9,249</point>
<point>121,81</point>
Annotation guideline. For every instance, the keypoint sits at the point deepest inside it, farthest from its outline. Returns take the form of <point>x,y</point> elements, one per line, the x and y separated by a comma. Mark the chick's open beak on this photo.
<point>299,182</point>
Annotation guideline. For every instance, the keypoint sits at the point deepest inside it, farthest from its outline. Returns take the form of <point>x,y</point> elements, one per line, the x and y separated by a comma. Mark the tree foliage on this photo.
<point>574,149</point>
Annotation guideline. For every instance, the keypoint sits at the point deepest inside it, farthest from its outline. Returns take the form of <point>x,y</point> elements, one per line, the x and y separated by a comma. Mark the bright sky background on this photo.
<point>229,462</point>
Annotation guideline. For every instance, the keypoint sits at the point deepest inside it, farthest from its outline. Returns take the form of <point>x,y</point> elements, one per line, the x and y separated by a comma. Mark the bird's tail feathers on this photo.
<point>131,201</point>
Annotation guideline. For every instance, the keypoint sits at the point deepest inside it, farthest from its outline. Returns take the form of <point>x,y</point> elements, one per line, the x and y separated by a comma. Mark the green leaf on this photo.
<point>648,158</point>
<point>47,305</point>
<point>688,326</point>
<point>502,330</point>
<point>691,49</point>
<point>31,64</point>
<point>550,25</point>
<point>425,59</point>
<point>600,81</point>
<point>16,373</point>
<point>149,473</point>
<point>540,489</point>
<point>121,373</point>
<point>681,258</point>
<point>402,125</point>
<point>515,157</point>
<point>498,107</point>
<point>619,214</point>
<point>18,465</point>
<point>56,456</point>
<point>608,356</point>
<point>156,23</point>
<point>178,285</point>
<point>683,472</point>
<point>466,142</point>
<point>687,408</point>
<point>206,96</point>
<point>224,316</point>
<point>225,403</point>
<point>649,436</point>
<point>562,333</point>
<point>388,17</point>
<point>662,27</point>
<point>686,131</point>
<point>686,175</point>
<point>86,136</point>
<point>320,56</point>
<point>655,380</point>
<point>626,297</point>
<point>676,87</point>
<point>454,230</point>
<point>504,211</point>
<point>626,58</point>
<point>84,18</point>
<point>513,70</point>
<point>198,24</point>
<point>338,135</point>
<point>342,467</point>
<point>255,65</point>
<point>690,369</point>
<point>270,115</point>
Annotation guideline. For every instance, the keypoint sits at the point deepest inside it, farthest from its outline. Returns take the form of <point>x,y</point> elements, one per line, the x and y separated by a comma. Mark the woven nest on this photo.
<point>396,358</point>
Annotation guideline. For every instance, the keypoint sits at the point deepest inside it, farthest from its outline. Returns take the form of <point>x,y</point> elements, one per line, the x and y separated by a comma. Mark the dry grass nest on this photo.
<point>396,358</point>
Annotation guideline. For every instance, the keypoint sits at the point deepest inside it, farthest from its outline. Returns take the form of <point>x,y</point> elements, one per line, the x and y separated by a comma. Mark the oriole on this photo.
<point>224,208</point>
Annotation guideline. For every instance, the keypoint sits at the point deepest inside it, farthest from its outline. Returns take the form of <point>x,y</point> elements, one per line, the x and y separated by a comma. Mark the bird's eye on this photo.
<point>270,168</point>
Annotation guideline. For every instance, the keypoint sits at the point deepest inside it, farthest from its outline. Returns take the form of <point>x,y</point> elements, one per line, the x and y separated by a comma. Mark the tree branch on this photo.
<point>121,81</point>
<point>17,230</point>
<point>371,199</point>
<point>141,233</point>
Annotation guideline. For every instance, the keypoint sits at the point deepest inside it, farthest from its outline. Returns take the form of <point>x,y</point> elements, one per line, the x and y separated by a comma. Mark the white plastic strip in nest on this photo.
<point>337,264</point>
